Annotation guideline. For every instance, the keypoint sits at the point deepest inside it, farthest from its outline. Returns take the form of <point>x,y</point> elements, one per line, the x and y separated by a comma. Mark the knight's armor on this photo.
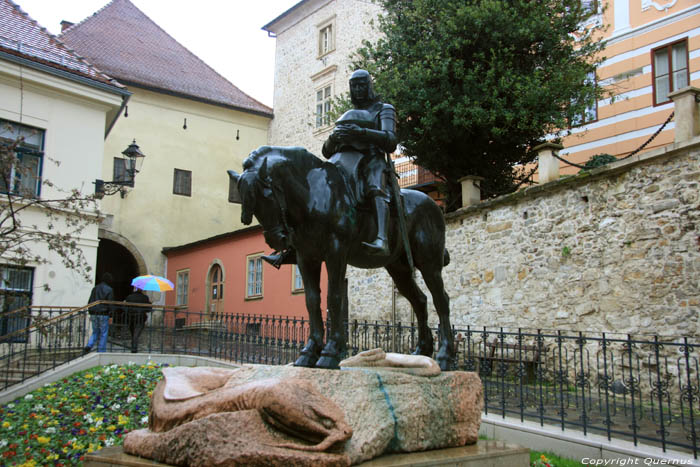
<point>368,129</point>
<point>378,123</point>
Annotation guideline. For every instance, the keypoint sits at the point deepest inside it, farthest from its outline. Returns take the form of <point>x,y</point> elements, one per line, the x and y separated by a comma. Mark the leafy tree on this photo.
<point>27,220</point>
<point>478,83</point>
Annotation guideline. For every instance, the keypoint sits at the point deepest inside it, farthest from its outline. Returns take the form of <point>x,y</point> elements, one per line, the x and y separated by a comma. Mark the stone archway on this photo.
<point>119,257</point>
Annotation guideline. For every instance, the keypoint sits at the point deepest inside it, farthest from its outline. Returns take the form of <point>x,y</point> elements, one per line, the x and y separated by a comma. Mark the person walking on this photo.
<point>99,314</point>
<point>136,316</point>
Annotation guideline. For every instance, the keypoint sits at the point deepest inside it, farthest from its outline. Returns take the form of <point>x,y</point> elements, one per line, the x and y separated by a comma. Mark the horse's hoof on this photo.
<point>306,361</point>
<point>427,352</point>
<point>328,363</point>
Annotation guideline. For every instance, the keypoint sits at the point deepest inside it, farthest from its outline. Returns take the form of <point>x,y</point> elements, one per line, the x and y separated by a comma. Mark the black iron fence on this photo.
<point>642,388</point>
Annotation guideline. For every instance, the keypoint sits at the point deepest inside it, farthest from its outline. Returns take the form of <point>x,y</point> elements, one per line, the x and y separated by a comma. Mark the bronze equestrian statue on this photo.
<point>314,211</point>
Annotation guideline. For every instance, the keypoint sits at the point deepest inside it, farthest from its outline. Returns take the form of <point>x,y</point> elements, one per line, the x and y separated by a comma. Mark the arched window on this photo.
<point>216,289</point>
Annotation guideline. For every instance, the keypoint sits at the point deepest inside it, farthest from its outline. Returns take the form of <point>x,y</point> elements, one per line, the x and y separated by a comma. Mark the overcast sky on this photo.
<point>226,34</point>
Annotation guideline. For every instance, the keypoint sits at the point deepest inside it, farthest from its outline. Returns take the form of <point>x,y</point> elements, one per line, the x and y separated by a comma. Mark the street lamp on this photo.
<point>124,173</point>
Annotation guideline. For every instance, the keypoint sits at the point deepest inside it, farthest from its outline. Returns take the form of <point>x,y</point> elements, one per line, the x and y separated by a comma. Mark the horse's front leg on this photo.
<point>311,275</point>
<point>335,348</point>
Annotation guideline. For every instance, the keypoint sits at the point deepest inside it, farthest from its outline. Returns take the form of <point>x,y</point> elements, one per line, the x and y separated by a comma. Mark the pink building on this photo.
<point>226,274</point>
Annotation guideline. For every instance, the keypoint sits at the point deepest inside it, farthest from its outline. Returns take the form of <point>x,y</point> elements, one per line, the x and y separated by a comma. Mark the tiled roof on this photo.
<point>23,37</point>
<point>123,41</point>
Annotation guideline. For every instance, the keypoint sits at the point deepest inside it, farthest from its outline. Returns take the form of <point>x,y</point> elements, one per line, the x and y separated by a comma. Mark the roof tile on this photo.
<point>123,41</point>
<point>22,36</point>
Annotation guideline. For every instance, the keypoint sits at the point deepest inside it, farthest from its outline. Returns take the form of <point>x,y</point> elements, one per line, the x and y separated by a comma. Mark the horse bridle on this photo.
<point>279,199</point>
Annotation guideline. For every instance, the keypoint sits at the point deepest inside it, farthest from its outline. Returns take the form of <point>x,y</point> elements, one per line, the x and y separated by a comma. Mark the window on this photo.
<point>323,106</point>
<point>121,174</point>
<point>24,175</point>
<point>182,182</point>
<point>297,282</point>
<point>216,288</point>
<point>590,6</point>
<point>670,67</point>
<point>590,114</point>
<point>326,38</point>
<point>254,277</point>
<point>182,286</point>
<point>15,292</point>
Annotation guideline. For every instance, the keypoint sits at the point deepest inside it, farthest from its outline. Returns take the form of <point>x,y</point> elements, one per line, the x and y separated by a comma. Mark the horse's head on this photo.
<point>259,196</point>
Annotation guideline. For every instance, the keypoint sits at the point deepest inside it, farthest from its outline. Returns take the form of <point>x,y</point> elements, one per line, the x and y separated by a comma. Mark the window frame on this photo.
<point>328,24</point>
<point>9,324</point>
<point>323,120</point>
<point>256,259</point>
<point>121,174</point>
<point>22,150</point>
<point>585,121</point>
<point>178,282</point>
<point>177,171</point>
<point>296,274</point>
<point>669,48</point>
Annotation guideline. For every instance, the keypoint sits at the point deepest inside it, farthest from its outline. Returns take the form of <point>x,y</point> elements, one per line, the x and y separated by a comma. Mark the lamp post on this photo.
<point>124,175</point>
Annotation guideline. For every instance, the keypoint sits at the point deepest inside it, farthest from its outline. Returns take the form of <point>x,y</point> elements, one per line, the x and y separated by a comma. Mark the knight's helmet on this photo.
<point>363,75</point>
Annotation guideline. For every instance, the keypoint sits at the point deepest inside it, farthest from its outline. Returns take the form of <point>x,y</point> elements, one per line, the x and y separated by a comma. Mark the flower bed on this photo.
<point>60,422</point>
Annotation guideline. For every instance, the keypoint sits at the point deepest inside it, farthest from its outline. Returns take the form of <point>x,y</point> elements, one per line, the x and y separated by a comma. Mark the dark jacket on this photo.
<point>101,291</point>
<point>138,297</point>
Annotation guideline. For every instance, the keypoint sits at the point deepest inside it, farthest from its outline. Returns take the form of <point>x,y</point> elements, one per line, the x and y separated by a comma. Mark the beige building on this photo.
<point>63,107</point>
<point>191,124</point>
<point>315,39</point>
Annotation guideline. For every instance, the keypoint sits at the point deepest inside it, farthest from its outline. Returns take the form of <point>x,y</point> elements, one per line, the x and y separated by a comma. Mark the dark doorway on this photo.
<point>118,261</point>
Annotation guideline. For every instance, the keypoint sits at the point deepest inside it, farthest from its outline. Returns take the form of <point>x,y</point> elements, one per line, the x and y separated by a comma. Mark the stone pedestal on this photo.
<point>482,454</point>
<point>548,165</point>
<point>388,412</point>
<point>471,190</point>
<point>687,113</point>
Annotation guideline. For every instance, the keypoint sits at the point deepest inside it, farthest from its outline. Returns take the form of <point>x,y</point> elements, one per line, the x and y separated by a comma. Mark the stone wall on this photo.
<point>615,250</point>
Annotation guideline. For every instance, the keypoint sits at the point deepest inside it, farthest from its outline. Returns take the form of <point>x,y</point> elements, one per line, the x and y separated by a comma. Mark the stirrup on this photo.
<point>376,250</point>
<point>277,258</point>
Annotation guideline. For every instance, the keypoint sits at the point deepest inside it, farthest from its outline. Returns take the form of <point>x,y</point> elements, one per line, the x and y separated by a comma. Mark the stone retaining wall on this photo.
<point>615,250</point>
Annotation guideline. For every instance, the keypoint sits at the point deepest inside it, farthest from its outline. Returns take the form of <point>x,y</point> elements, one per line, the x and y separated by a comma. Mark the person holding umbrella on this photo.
<point>136,316</point>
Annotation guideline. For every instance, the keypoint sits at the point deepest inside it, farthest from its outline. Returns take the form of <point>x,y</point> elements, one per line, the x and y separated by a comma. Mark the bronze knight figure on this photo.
<point>369,128</point>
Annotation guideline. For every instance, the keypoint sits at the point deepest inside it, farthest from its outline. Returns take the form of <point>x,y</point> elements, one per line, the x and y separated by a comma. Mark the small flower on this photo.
<point>28,397</point>
<point>6,425</point>
<point>144,420</point>
<point>43,439</point>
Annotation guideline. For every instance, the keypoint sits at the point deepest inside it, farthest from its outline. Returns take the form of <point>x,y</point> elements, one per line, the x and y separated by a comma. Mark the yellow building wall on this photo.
<point>628,120</point>
<point>151,216</point>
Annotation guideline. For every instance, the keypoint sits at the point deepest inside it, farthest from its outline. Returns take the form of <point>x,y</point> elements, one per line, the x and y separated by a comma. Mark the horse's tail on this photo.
<point>445,257</point>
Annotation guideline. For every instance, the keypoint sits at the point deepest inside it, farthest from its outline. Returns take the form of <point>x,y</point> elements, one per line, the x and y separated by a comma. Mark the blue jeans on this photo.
<point>100,326</point>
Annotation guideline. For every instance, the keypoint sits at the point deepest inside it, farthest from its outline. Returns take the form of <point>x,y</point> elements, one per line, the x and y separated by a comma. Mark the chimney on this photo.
<point>65,25</point>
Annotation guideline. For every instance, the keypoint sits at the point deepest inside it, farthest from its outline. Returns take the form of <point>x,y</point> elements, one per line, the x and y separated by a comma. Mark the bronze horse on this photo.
<point>312,205</point>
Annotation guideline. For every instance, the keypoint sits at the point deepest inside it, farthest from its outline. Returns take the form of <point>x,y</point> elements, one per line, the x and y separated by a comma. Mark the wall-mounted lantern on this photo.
<point>124,173</point>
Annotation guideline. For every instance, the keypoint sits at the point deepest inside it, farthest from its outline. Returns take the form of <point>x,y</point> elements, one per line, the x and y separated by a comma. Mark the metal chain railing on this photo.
<point>645,144</point>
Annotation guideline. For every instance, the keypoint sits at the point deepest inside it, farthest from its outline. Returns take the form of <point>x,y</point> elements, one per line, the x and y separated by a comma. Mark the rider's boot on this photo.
<point>288,256</point>
<point>380,246</point>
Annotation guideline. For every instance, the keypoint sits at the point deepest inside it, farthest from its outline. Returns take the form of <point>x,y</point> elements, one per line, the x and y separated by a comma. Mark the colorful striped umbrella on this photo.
<point>151,282</point>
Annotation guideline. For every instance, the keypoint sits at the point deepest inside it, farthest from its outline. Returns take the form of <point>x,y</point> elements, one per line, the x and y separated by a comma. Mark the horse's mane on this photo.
<point>296,155</point>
